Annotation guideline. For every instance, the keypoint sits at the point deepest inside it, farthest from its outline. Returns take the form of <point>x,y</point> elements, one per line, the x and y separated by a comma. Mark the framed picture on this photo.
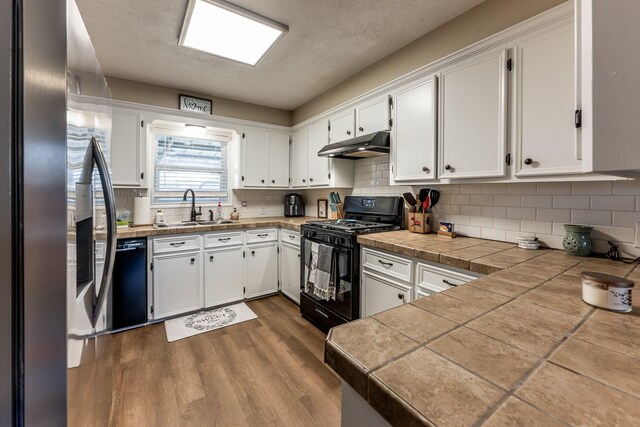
<point>197,105</point>
<point>322,208</point>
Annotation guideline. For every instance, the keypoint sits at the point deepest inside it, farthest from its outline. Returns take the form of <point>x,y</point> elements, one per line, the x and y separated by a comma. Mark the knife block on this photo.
<point>419,222</point>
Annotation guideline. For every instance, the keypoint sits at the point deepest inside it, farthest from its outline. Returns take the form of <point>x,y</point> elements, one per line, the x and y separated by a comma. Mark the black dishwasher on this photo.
<point>130,284</point>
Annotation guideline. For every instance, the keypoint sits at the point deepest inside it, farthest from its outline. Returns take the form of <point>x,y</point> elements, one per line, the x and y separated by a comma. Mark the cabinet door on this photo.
<point>544,100</point>
<point>342,127</point>
<point>380,294</point>
<point>290,272</point>
<point>472,111</point>
<point>261,275</point>
<point>126,164</point>
<point>300,159</point>
<point>318,166</point>
<point>414,138</point>
<point>374,116</point>
<point>176,284</point>
<point>254,146</point>
<point>223,276</point>
<point>278,160</point>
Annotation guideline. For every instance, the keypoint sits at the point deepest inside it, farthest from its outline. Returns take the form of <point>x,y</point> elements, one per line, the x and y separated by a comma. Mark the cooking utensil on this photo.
<point>435,197</point>
<point>423,197</point>
<point>411,201</point>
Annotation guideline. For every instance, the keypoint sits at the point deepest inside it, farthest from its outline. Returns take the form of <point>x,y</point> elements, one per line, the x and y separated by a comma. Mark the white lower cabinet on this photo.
<point>261,269</point>
<point>290,271</point>
<point>380,294</point>
<point>177,283</point>
<point>387,280</point>
<point>223,275</point>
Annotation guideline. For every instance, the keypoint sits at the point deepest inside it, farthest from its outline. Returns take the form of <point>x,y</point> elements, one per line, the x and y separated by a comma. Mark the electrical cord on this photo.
<point>614,254</point>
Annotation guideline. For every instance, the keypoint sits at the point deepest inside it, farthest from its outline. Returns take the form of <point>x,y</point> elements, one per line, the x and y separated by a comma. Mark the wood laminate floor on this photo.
<point>267,371</point>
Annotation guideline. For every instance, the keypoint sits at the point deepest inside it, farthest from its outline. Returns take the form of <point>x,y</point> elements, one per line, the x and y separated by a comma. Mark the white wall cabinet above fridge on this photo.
<point>128,149</point>
<point>265,156</point>
<point>308,170</point>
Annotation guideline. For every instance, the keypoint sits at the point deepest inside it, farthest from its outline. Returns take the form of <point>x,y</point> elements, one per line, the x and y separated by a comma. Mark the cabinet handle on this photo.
<point>310,179</point>
<point>291,236</point>
<point>304,180</point>
<point>142,175</point>
<point>273,181</point>
<point>348,132</point>
<point>361,129</point>
<point>425,169</point>
<point>386,264</point>
<point>211,258</point>
<point>449,283</point>
<point>226,239</point>
<point>400,296</point>
<point>447,167</point>
<point>263,235</point>
<point>177,244</point>
<point>193,260</point>
<point>298,255</point>
<point>253,253</point>
<point>321,313</point>
<point>262,181</point>
<point>528,161</point>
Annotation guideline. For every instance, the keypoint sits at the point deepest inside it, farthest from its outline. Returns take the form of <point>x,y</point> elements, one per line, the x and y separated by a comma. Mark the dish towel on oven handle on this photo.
<point>325,284</point>
<point>310,265</point>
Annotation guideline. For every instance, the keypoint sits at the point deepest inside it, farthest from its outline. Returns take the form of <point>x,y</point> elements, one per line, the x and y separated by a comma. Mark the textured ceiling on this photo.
<point>328,41</point>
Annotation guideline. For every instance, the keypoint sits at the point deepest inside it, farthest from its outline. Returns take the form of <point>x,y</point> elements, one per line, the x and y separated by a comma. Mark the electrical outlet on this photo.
<point>637,239</point>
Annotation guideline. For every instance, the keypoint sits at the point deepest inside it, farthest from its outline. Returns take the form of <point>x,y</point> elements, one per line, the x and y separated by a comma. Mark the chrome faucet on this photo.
<point>194,213</point>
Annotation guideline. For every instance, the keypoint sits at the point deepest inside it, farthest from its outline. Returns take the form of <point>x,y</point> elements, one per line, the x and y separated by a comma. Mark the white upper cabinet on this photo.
<point>609,89</point>
<point>413,140</point>
<point>318,166</point>
<point>472,117</point>
<point>127,149</point>
<point>544,101</point>
<point>342,126</point>
<point>374,116</point>
<point>278,160</point>
<point>300,159</point>
<point>266,158</point>
<point>255,150</point>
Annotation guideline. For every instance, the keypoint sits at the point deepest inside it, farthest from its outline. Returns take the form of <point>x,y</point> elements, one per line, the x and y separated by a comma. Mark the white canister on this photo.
<point>607,291</point>
<point>159,217</point>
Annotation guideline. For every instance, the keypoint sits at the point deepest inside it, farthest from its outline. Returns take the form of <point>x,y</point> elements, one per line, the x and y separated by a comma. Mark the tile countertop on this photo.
<point>516,347</point>
<point>289,223</point>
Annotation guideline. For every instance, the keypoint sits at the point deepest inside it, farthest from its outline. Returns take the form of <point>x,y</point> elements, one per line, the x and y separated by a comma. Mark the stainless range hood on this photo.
<point>370,145</point>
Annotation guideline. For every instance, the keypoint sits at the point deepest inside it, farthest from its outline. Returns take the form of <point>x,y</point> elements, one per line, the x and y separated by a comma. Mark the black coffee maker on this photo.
<point>293,205</point>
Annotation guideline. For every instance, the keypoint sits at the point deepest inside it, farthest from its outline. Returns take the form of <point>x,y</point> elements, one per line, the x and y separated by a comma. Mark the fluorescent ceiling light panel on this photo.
<point>229,31</point>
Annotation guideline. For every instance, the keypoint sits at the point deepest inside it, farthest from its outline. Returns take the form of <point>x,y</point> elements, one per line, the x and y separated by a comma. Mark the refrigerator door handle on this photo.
<point>110,207</point>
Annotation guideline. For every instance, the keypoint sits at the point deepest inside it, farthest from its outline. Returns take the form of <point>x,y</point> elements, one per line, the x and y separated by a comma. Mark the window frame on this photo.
<point>179,129</point>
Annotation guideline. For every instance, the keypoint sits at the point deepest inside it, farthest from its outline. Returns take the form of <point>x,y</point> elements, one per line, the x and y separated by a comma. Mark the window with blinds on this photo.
<point>199,163</point>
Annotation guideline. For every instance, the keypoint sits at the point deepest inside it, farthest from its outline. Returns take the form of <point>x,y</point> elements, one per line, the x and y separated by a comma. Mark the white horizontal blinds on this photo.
<point>183,162</point>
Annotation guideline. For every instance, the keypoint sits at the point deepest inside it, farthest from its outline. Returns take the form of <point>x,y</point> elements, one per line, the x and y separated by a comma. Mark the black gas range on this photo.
<point>362,215</point>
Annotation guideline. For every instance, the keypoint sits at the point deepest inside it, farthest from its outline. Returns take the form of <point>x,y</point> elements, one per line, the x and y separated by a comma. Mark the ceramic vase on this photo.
<point>577,241</point>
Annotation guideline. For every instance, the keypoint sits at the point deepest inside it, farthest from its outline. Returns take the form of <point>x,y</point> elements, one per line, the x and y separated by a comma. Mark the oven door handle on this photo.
<point>322,313</point>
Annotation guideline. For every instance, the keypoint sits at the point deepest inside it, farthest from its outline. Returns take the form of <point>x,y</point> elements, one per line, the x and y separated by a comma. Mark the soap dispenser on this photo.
<point>219,211</point>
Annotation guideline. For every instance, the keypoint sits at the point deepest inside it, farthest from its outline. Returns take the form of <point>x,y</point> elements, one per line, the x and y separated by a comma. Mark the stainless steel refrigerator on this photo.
<point>57,220</point>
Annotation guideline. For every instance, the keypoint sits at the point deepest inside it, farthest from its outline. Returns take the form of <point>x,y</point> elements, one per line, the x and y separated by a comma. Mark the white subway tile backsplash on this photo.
<point>494,211</point>
<point>625,219</point>
<point>626,188</point>
<point>558,229</point>
<point>459,199</point>
<point>614,203</point>
<point>550,240</point>
<point>591,217</point>
<point>585,188</point>
<point>479,221</point>
<point>471,210</point>
<point>543,227</point>
<point>522,188</point>
<point>506,200</point>
<point>554,188</point>
<point>536,201</point>
<point>494,188</point>
<point>459,219</point>
<point>521,213</point>
<point>560,215</point>
<point>571,202</point>
<point>506,224</point>
<point>494,234</point>
<point>470,188</point>
<point>615,234</point>
<point>481,200</point>
<point>469,231</point>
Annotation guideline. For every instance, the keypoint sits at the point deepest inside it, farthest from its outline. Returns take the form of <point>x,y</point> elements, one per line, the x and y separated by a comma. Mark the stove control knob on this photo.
<point>339,240</point>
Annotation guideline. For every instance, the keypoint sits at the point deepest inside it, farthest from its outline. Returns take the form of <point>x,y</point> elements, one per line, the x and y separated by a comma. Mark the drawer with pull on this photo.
<point>262,235</point>
<point>438,279</point>
<point>391,265</point>
<point>216,240</point>
<point>175,244</point>
<point>291,237</point>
